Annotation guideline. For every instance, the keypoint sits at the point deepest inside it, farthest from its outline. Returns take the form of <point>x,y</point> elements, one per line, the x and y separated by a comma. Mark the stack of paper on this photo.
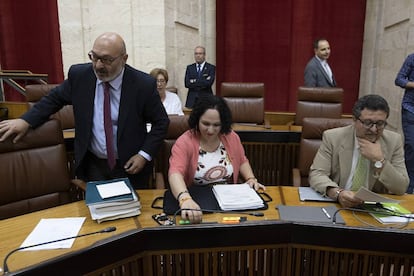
<point>237,197</point>
<point>113,199</point>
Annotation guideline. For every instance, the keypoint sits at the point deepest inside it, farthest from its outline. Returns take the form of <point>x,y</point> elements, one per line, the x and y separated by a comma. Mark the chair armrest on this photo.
<point>267,124</point>
<point>296,177</point>
<point>159,181</point>
<point>79,184</point>
<point>78,189</point>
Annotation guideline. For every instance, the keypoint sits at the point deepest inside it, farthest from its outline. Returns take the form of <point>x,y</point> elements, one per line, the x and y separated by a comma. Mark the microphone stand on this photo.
<point>5,267</point>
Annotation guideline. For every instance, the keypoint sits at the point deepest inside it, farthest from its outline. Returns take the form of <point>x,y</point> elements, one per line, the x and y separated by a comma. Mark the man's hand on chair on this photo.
<point>15,126</point>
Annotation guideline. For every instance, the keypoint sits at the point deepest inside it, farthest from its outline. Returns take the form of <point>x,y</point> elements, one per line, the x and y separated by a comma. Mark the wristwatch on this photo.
<point>379,164</point>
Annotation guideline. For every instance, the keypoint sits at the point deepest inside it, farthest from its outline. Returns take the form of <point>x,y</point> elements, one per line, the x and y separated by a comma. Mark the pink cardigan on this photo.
<point>184,154</point>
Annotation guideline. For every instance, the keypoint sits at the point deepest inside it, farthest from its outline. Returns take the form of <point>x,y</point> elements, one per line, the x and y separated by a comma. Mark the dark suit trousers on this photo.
<point>192,97</point>
<point>94,168</point>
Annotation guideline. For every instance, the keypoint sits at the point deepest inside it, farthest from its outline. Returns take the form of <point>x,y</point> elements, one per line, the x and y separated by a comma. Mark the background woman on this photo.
<point>170,100</point>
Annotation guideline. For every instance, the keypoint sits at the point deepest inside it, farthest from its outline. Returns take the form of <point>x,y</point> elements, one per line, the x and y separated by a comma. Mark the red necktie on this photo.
<point>108,127</point>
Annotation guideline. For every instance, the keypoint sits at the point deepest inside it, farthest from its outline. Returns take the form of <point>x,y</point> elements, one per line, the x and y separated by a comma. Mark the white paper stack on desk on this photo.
<point>113,199</point>
<point>237,197</point>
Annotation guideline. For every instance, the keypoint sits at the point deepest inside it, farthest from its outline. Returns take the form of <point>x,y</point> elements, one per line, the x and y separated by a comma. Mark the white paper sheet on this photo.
<point>113,189</point>
<point>369,196</point>
<point>54,229</point>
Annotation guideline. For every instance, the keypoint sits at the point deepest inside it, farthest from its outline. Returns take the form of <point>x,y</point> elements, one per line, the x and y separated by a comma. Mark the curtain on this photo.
<point>271,41</point>
<point>30,40</point>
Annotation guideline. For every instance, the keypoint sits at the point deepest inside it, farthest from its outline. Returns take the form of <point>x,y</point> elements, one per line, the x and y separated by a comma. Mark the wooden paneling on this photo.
<point>272,163</point>
<point>280,259</point>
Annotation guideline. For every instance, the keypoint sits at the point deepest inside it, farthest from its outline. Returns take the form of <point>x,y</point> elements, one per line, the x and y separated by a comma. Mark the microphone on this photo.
<point>256,214</point>
<point>5,267</point>
<point>385,213</point>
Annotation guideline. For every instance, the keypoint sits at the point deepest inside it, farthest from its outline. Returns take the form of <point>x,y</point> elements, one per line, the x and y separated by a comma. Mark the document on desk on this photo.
<point>54,229</point>
<point>369,196</point>
<point>237,197</point>
<point>309,194</point>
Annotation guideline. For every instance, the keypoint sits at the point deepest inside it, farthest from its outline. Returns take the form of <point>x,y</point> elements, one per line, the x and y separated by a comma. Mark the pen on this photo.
<point>326,213</point>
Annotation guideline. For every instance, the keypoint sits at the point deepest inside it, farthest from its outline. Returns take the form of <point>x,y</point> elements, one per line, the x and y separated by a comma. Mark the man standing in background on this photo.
<point>199,76</point>
<point>405,79</point>
<point>317,71</point>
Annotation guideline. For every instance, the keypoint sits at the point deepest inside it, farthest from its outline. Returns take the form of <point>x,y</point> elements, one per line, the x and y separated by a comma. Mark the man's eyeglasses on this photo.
<point>368,124</point>
<point>107,60</point>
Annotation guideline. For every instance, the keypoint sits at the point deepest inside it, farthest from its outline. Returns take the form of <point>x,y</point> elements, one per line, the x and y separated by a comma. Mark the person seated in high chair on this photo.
<point>364,154</point>
<point>209,152</point>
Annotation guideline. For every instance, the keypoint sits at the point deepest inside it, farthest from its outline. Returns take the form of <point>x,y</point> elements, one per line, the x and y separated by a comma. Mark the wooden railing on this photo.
<point>10,76</point>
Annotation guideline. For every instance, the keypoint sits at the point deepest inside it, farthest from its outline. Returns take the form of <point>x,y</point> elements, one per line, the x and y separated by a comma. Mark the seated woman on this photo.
<point>209,152</point>
<point>170,100</point>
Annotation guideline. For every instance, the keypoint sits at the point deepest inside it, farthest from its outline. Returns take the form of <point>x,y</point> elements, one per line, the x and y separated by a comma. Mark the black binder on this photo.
<point>203,195</point>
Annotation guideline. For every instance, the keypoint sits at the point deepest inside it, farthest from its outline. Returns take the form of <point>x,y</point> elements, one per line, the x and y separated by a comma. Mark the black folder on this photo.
<point>205,198</point>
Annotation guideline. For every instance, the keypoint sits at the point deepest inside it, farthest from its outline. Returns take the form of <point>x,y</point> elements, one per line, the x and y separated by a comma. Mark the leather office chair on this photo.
<point>34,92</point>
<point>34,172</point>
<point>320,102</point>
<point>178,125</point>
<point>245,100</point>
<point>310,141</point>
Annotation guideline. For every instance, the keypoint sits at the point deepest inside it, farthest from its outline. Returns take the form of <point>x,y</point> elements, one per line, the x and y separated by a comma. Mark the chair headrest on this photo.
<point>313,128</point>
<point>320,94</point>
<point>36,91</point>
<point>242,89</point>
<point>178,125</point>
<point>49,133</point>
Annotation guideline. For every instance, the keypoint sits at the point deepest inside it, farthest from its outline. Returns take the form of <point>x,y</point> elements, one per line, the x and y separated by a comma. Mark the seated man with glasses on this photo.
<point>364,154</point>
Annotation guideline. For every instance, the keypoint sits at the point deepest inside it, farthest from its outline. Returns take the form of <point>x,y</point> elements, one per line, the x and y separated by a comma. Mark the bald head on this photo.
<point>110,40</point>
<point>108,56</point>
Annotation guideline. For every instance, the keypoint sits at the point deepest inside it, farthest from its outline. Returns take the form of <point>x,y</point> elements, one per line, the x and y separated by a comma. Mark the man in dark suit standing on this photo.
<point>318,73</point>
<point>112,103</point>
<point>199,76</point>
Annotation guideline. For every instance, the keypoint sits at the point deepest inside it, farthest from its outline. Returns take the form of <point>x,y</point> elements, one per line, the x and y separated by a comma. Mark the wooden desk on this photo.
<point>291,198</point>
<point>15,230</point>
<point>261,246</point>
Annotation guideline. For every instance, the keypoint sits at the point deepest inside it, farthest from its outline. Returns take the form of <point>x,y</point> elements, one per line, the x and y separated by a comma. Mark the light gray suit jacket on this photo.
<point>332,164</point>
<point>315,75</point>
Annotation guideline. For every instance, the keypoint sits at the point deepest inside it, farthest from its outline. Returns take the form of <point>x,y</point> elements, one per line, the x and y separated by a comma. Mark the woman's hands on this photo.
<point>195,214</point>
<point>253,183</point>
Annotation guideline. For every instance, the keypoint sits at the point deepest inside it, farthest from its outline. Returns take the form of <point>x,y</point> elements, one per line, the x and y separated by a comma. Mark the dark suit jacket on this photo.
<point>197,85</point>
<point>315,75</point>
<point>140,103</point>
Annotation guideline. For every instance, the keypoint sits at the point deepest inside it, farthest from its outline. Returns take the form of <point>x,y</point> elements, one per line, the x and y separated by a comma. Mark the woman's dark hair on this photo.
<point>202,104</point>
<point>371,102</point>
